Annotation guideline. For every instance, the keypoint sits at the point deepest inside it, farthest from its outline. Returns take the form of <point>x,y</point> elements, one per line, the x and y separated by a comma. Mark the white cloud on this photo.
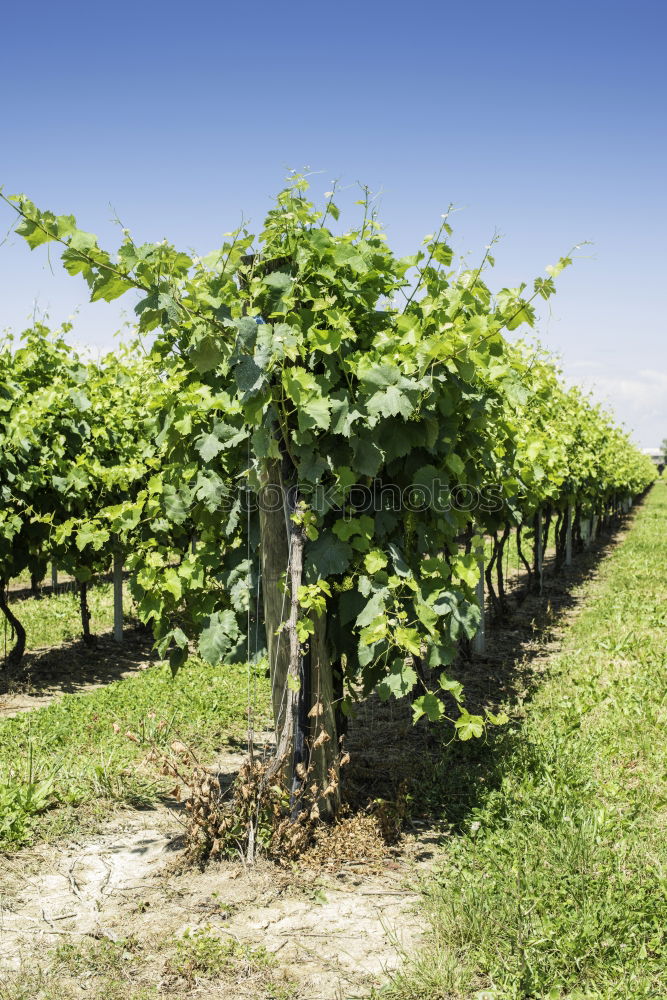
<point>639,398</point>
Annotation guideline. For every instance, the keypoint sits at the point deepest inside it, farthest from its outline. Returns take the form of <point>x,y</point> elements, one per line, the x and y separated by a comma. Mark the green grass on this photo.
<point>556,884</point>
<point>53,620</point>
<point>74,754</point>
<point>128,969</point>
<point>67,763</point>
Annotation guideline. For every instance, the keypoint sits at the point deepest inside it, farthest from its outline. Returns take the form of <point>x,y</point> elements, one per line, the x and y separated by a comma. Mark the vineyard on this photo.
<point>307,504</point>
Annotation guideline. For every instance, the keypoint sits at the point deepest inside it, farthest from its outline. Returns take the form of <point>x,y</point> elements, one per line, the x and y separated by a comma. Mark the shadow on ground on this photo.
<point>22,591</point>
<point>445,780</point>
<point>73,667</point>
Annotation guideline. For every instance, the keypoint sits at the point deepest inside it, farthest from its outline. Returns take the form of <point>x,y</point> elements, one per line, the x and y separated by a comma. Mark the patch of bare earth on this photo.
<point>333,926</point>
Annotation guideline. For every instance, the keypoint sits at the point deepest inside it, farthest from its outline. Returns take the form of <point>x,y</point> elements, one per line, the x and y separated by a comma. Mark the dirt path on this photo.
<point>328,934</point>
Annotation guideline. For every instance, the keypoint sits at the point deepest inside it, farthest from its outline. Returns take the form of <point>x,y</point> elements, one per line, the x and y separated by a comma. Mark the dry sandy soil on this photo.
<point>334,931</point>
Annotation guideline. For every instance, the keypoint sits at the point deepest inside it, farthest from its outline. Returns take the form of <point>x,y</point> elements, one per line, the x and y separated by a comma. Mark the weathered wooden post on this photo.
<point>539,555</point>
<point>594,526</point>
<point>568,536</point>
<point>118,596</point>
<point>479,641</point>
<point>586,526</point>
<point>54,578</point>
<point>282,551</point>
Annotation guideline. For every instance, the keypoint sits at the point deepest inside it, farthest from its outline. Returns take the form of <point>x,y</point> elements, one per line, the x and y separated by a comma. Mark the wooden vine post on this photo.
<point>568,536</point>
<point>479,641</point>
<point>302,688</point>
<point>118,595</point>
<point>539,555</point>
<point>274,564</point>
<point>586,526</point>
<point>85,612</point>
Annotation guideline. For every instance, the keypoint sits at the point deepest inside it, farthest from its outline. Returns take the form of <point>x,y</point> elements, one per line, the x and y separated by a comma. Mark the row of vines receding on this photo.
<point>324,433</point>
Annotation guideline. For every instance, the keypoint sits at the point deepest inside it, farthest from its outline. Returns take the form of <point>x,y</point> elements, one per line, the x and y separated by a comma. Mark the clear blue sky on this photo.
<point>546,122</point>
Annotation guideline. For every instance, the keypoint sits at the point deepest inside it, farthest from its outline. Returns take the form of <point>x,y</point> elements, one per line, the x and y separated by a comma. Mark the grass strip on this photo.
<point>74,754</point>
<point>555,886</point>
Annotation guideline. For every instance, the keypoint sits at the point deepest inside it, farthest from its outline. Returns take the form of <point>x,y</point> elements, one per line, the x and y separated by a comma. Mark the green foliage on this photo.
<point>318,354</point>
<point>73,443</point>
<point>20,802</point>
<point>203,953</point>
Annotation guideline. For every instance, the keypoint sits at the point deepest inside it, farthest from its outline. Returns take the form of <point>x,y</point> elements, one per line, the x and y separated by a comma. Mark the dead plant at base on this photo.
<point>360,837</point>
<point>391,814</point>
<point>256,815</point>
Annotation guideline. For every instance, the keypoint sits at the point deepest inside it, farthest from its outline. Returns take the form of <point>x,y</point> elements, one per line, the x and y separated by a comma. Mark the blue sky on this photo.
<point>545,122</point>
